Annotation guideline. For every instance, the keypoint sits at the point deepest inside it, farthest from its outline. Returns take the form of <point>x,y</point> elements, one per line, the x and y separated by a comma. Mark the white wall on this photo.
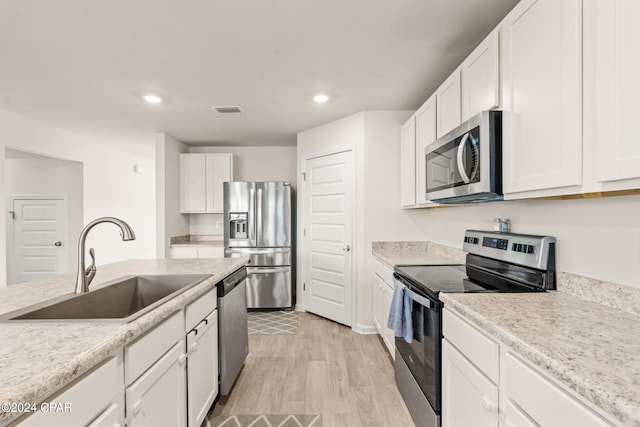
<point>170,222</point>
<point>598,238</point>
<point>249,164</point>
<point>111,188</point>
<point>374,138</point>
<point>47,176</point>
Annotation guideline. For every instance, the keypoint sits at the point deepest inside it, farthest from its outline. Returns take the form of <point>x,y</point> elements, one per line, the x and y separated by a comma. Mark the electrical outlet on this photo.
<point>218,224</point>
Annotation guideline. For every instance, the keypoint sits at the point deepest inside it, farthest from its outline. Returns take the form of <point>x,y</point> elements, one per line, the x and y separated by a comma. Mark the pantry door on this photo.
<point>38,237</point>
<point>328,207</point>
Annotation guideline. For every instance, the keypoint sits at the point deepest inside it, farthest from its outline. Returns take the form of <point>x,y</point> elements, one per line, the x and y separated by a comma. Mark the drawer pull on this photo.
<point>137,407</point>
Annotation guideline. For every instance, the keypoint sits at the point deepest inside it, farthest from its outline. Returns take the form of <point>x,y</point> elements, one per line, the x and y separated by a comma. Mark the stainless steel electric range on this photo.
<point>495,262</point>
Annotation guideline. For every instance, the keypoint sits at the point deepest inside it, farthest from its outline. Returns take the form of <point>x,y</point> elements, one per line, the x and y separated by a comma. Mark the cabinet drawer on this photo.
<point>87,398</point>
<point>544,402</point>
<point>200,308</point>
<point>140,355</point>
<point>385,273</point>
<point>481,350</point>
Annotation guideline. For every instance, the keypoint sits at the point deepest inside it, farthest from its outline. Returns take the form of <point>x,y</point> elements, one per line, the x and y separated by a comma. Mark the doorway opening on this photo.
<point>45,214</point>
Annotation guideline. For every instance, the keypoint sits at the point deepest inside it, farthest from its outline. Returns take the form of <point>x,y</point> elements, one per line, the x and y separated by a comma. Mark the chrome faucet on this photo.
<point>86,275</point>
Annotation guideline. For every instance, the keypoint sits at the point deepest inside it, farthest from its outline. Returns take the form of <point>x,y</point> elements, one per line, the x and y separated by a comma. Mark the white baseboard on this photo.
<point>298,307</point>
<point>364,329</point>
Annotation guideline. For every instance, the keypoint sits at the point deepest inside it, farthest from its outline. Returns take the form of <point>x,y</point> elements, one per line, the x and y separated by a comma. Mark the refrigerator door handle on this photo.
<point>259,215</point>
<point>252,228</point>
<point>259,270</point>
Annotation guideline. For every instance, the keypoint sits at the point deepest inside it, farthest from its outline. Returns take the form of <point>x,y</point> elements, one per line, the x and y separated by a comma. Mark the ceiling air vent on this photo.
<point>227,110</point>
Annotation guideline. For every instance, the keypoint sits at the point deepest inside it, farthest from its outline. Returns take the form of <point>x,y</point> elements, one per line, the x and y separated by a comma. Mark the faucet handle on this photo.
<point>90,272</point>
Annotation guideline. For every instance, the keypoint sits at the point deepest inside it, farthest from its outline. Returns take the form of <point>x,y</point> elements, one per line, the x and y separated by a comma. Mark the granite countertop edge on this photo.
<point>117,335</point>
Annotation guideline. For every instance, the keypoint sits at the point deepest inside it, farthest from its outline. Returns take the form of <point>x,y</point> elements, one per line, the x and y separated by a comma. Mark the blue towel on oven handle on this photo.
<point>400,313</point>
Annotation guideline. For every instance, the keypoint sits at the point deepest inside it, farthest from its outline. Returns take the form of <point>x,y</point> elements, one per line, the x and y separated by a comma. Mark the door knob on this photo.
<point>346,248</point>
<point>58,243</point>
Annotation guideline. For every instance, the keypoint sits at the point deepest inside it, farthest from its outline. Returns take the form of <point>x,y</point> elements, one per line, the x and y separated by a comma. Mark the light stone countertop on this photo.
<point>37,359</point>
<point>196,240</point>
<point>586,335</point>
<point>416,253</point>
<point>589,347</point>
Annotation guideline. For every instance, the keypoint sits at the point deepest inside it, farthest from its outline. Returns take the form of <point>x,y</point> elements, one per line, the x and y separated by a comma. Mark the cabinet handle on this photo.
<point>182,359</point>
<point>503,419</point>
<point>137,407</point>
<point>488,406</point>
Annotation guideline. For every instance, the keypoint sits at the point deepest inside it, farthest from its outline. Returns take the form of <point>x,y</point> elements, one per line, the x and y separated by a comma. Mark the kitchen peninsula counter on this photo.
<point>37,359</point>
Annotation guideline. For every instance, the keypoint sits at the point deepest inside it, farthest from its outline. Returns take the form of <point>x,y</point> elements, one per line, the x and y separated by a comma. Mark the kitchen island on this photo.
<point>37,359</point>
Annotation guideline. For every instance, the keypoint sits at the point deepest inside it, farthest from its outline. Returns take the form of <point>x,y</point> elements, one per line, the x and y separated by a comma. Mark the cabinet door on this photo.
<point>425,135</point>
<point>219,169</point>
<point>158,397</point>
<point>448,104</point>
<point>468,397</point>
<point>479,74</point>
<point>387,334</point>
<point>183,252</point>
<point>377,303</point>
<point>202,369</point>
<point>211,252</point>
<point>542,96</point>
<point>408,163</point>
<point>193,197</point>
<point>612,89</point>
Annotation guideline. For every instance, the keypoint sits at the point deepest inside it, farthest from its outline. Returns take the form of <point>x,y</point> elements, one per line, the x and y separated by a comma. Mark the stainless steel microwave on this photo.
<point>465,166</point>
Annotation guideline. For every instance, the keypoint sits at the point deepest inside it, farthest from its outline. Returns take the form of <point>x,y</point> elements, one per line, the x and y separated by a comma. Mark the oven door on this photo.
<point>422,356</point>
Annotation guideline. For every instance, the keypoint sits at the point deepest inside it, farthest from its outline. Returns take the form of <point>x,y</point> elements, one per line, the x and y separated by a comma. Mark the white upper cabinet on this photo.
<point>448,104</point>
<point>480,78</point>
<point>201,178</point>
<point>408,163</point>
<point>425,135</point>
<point>612,91</point>
<point>541,49</point>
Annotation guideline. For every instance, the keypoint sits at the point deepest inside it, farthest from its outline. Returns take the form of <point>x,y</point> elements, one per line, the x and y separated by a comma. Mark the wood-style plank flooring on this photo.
<point>325,369</point>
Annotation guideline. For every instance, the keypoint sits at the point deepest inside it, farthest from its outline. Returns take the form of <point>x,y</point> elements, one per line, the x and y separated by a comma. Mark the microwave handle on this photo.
<point>461,170</point>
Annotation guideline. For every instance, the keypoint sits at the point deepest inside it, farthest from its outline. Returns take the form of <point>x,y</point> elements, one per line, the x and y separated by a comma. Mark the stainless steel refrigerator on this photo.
<point>259,224</point>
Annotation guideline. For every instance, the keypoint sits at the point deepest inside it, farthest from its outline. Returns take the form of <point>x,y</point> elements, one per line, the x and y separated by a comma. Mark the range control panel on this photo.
<point>524,249</point>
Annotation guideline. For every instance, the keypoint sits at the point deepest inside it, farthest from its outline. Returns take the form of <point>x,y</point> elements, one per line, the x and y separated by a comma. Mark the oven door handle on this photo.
<point>420,299</point>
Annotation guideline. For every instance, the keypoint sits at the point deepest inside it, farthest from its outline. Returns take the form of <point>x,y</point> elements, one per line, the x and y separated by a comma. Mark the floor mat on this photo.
<point>264,421</point>
<point>273,322</point>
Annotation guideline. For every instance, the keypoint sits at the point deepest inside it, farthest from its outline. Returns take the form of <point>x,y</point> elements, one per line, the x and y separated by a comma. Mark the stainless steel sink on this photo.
<point>122,301</point>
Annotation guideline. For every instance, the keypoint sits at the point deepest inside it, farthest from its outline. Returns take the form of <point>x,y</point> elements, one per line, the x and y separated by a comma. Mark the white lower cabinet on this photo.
<point>202,356</point>
<point>382,296</point>
<point>196,252</point>
<point>538,400</point>
<point>158,397</point>
<point>469,398</point>
<point>92,397</point>
<point>519,395</point>
<point>109,418</point>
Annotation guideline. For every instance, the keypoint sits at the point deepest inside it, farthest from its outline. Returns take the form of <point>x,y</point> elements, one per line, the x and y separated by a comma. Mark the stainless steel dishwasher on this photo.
<point>233,331</point>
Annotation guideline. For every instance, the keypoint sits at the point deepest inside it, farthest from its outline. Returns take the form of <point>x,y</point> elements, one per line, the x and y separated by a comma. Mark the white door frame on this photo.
<point>11,233</point>
<point>303,220</point>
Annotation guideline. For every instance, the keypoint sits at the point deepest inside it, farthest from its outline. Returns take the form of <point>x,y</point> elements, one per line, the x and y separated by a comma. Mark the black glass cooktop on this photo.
<point>433,279</point>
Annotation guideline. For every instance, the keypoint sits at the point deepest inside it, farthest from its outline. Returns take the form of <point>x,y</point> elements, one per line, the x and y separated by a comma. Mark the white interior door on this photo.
<point>39,248</point>
<point>328,215</point>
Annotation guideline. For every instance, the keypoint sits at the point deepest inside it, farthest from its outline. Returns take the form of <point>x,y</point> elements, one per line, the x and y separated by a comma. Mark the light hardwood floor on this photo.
<point>325,369</point>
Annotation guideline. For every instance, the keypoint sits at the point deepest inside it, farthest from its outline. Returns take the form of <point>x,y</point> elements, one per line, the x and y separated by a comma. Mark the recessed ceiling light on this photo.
<point>321,98</point>
<point>152,99</point>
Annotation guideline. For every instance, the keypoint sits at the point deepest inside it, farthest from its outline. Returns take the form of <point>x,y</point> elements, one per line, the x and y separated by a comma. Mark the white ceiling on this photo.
<point>82,65</point>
